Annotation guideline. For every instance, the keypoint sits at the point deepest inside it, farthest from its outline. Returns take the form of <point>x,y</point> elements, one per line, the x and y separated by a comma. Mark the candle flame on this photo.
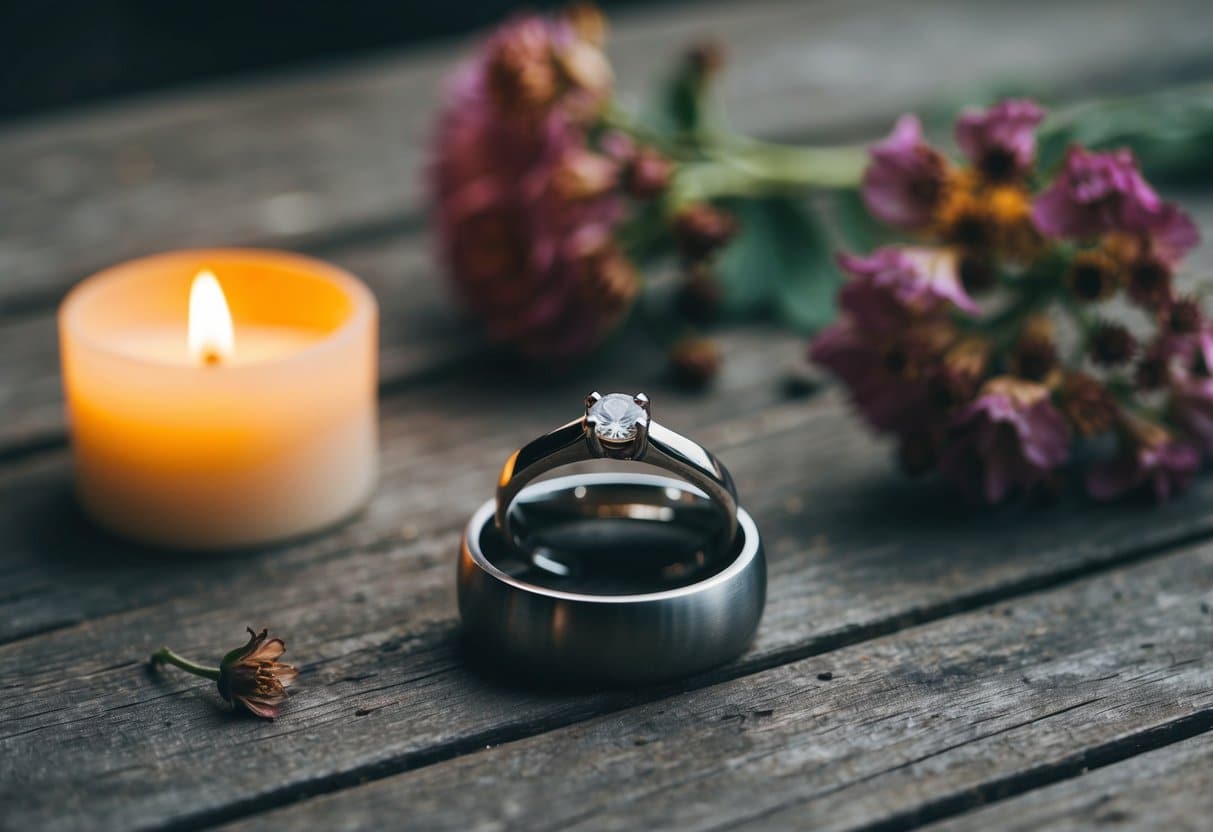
<point>211,339</point>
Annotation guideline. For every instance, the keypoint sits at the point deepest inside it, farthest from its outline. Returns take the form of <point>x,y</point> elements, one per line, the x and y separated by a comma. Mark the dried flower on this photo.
<point>989,400</point>
<point>250,676</point>
<point>701,229</point>
<point>525,208</point>
<point>695,362</point>
<point>1150,458</point>
<point>1088,405</point>
<point>892,283</point>
<point>1034,357</point>
<point>1112,344</point>
<point>907,179</point>
<point>1182,317</point>
<point>1149,282</point>
<point>1093,276</point>
<point>1001,141</point>
<point>1010,438</point>
<point>648,174</point>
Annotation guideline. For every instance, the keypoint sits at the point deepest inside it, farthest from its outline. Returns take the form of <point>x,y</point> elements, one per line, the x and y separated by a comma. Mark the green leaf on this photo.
<point>779,265</point>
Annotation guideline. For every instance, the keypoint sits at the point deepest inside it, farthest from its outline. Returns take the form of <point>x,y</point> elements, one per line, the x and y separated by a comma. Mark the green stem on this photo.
<point>166,656</point>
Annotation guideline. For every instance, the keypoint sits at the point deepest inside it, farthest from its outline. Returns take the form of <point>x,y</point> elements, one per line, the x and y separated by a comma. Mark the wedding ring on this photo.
<point>621,578</point>
<point>617,426</point>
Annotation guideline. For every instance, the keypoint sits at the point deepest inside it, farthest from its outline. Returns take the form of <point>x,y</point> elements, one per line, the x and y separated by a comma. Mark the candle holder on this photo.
<point>221,433</point>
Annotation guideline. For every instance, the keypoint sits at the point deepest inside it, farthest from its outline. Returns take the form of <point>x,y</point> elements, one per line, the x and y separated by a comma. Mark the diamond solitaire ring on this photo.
<point>617,426</point>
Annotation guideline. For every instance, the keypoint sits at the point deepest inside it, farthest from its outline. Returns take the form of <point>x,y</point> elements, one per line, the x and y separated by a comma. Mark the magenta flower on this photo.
<point>524,209</point>
<point>1097,193</point>
<point>1000,141</point>
<point>871,370</point>
<point>892,283</point>
<point>907,178</point>
<point>1153,459</point>
<point>1010,438</point>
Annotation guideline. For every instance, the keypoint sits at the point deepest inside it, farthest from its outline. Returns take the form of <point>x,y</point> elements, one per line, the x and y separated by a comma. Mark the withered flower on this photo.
<point>1112,344</point>
<point>1092,276</point>
<point>1182,317</point>
<point>700,229</point>
<point>694,362</point>
<point>250,676</point>
<point>1149,282</point>
<point>648,174</point>
<point>1034,357</point>
<point>1088,404</point>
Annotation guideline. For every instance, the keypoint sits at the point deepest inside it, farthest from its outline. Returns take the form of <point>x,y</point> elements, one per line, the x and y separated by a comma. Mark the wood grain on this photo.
<point>1166,789</point>
<point>303,161</point>
<point>855,552</point>
<point>882,735</point>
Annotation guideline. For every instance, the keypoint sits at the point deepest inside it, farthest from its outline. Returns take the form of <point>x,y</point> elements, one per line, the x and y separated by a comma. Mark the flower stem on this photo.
<point>166,656</point>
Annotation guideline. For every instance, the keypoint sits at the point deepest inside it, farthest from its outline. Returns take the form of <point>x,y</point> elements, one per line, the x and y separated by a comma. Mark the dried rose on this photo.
<point>250,676</point>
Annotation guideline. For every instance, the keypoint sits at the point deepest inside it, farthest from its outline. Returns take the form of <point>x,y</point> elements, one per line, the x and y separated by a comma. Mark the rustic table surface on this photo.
<point>920,663</point>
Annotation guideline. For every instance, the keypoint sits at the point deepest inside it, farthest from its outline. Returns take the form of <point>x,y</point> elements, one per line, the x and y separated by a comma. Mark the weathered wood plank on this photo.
<point>298,161</point>
<point>853,555</point>
<point>878,736</point>
<point>1166,789</point>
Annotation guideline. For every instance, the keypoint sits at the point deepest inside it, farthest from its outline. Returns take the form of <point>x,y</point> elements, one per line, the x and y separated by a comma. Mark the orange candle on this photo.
<point>221,398</point>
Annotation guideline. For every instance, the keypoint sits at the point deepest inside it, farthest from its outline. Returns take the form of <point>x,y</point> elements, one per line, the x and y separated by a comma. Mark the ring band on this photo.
<point>617,426</point>
<point>621,638</point>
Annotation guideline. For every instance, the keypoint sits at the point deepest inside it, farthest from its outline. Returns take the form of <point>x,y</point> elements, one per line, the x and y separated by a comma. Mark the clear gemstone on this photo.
<point>616,416</point>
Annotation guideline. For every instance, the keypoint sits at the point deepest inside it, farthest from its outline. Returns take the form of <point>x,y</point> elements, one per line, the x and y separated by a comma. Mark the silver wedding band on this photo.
<point>523,605</point>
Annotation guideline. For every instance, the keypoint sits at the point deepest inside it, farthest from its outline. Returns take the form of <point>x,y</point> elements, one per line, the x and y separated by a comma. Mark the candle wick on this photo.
<point>211,358</point>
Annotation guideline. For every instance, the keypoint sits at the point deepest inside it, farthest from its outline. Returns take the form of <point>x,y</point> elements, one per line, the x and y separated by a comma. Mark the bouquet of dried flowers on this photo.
<point>1033,323</point>
<point>547,196</point>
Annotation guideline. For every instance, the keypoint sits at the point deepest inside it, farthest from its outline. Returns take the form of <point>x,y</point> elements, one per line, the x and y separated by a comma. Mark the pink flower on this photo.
<point>1152,459</point>
<point>892,283</point>
<point>1010,437</point>
<point>1001,141</point>
<point>883,395</point>
<point>1097,193</point>
<point>906,180</point>
<point>525,210</point>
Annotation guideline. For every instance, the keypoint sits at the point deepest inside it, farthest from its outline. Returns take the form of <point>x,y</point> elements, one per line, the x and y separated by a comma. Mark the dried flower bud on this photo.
<point>1183,317</point>
<point>582,174</point>
<point>250,676</point>
<point>1088,404</point>
<point>588,22</point>
<point>1153,370</point>
<point>1149,282</point>
<point>648,174</point>
<point>1093,276</point>
<point>706,58</point>
<point>1112,345</point>
<point>519,73</point>
<point>700,229</point>
<point>610,281</point>
<point>1034,357</point>
<point>695,362</point>
<point>253,677</point>
<point>963,367</point>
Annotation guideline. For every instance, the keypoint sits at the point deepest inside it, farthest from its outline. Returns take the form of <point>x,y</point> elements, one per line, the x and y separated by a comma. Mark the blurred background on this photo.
<point>74,51</point>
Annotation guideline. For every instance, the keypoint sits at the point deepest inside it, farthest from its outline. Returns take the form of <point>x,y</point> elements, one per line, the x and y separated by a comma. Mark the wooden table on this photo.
<point>921,662</point>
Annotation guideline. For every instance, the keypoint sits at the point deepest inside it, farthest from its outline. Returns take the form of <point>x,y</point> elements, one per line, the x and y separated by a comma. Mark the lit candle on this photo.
<point>221,398</point>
